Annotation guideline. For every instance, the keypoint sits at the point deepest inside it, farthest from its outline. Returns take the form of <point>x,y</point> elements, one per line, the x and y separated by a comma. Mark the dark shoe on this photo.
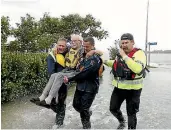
<point>132,121</point>
<point>121,125</point>
<point>34,100</point>
<point>59,124</point>
<point>60,115</point>
<point>43,104</point>
<point>86,124</point>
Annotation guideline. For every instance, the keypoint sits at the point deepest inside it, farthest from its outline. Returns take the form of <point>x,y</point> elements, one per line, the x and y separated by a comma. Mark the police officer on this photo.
<point>128,71</point>
<point>87,83</point>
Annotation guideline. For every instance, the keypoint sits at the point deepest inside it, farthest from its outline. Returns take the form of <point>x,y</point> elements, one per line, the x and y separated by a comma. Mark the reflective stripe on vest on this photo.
<point>133,82</point>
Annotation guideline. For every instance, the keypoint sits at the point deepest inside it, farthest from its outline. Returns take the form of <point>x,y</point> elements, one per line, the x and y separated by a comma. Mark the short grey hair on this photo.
<point>78,36</point>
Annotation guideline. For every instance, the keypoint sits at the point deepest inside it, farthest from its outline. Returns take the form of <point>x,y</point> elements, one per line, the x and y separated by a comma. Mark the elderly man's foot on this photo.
<point>121,125</point>
<point>43,104</point>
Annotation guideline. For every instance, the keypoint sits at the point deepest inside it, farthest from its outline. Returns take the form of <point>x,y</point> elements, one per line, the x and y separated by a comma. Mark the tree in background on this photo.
<point>26,34</point>
<point>49,31</point>
<point>34,36</point>
<point>5,30</point>
<point>87,26</point>
<point>112,52</point>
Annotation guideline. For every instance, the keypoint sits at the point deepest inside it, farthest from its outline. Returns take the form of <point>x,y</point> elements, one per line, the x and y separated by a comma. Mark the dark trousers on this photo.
<point>82,102</point>
<point>59,108</point>
<point>132,98</point>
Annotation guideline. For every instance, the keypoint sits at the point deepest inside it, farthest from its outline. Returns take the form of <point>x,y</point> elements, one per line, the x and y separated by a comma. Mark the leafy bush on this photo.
<point>22,74</point>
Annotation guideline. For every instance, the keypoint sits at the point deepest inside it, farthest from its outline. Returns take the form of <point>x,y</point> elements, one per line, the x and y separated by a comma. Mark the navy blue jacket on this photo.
<point>88,79</point>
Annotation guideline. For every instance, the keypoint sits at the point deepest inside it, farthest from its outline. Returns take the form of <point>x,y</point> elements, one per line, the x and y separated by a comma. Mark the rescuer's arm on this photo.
<point>137,63</point>
<point>109,63</point>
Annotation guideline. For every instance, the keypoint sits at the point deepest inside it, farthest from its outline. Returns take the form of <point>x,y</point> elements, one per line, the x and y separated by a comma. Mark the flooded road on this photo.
<point>155,107</point>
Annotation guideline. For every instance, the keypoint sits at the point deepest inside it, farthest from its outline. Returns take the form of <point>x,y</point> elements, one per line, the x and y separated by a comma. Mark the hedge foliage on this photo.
<point>22,74</point>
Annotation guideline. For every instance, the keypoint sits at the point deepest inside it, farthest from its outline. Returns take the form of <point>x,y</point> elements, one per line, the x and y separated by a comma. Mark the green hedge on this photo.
<point>22,74</point>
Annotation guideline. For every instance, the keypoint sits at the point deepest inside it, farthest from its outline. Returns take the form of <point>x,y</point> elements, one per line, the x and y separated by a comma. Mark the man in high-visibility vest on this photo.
<point>129,70</point>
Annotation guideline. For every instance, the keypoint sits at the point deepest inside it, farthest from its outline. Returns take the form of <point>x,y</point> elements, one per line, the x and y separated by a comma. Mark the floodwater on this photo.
<point>155,107</point>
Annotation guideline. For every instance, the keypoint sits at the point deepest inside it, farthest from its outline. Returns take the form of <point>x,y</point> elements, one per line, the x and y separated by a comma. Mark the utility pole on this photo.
<point>146,40</point>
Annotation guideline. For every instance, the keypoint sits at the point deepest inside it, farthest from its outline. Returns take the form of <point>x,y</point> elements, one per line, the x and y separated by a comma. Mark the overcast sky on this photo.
<point>117,17</point>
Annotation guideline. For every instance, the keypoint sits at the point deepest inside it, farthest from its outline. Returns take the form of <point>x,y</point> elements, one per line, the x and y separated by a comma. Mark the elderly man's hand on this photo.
<point>65,79</point>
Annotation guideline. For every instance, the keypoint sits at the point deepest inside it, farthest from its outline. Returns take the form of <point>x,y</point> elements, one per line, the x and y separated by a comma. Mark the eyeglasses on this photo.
<point>75,41</point>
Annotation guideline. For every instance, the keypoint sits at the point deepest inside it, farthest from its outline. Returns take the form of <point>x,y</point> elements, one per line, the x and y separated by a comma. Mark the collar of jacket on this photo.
<point>52,54</point>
